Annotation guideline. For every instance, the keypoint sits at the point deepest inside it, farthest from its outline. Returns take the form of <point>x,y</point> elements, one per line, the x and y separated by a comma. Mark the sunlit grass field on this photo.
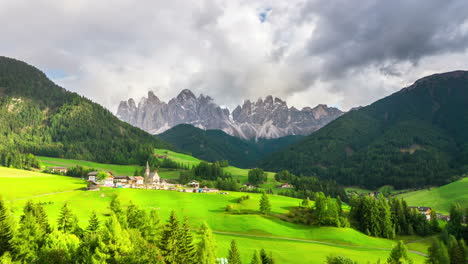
<point>440,198</point>
<point>18,186</point>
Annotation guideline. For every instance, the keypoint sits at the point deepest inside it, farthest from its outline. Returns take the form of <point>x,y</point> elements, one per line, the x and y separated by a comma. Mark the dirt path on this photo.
<point>314,242</point>
<point>40,195</point>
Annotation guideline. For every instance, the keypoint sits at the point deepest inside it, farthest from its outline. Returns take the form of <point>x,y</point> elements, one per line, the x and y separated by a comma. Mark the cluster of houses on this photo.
<point>150,180</point>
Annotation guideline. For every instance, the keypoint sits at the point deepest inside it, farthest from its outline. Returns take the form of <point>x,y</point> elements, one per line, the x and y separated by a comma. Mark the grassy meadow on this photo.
<point>252,231</point>
<point>440,198</point>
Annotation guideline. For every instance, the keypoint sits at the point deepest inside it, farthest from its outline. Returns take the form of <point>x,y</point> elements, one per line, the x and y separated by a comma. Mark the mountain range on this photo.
<point>413,138</point>
<point>265,118</point>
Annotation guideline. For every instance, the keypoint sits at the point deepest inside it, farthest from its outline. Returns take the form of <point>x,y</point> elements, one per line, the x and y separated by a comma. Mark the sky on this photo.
<point>339,52</point>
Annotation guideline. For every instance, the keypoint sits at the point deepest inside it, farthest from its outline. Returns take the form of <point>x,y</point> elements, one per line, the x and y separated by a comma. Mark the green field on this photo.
<point>178,157</point>
<point>118,170</point>
<point>252,231</point>
<point>440,198</point>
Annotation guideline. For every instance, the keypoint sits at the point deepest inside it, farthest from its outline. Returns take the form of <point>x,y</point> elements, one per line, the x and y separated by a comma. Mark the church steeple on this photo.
<point>147,172</point>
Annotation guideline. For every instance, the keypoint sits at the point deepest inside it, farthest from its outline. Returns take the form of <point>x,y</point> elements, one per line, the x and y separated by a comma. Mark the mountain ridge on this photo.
<point>265,118</point>
<point>42,118</point>
<point>413,137</point>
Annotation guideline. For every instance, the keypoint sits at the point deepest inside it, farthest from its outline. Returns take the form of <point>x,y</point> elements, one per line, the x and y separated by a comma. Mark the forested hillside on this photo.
<point>39,117</point>
<point>413,138</point>
<point>215,145</point>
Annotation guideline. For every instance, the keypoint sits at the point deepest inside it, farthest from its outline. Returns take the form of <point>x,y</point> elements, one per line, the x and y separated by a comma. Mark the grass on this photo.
<point>178,157</point>
<point>440,198</point>
<point>118,170</point>
<point>24,185</point>
<point>18,184</point>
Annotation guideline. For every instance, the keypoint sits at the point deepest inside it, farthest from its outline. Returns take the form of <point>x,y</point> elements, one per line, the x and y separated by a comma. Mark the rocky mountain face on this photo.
<point>268,118</point>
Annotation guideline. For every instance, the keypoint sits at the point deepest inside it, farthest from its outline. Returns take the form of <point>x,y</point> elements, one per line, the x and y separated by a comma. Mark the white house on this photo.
<point>194,184</point>
<point>139,180</point>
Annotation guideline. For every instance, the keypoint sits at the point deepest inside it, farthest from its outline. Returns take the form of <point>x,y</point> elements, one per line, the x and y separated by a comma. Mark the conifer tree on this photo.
<point>399,254</point>
<point>116,240</point>
<point>58,248</point>
<point>187,253</point>
<point>234,255</point>
<point>116,208</point>
<point>206,249</point>
<point>438,253</point>
<point>28,239</point>
<point>67,222</point>
<point>255,258</point>
<point>457,251</point>
<point>94,223</point>
<point>150,229</point>
<point>6,228</point>
<point>169,242</point>
<point>265,207</point>
<point>434,223</point>
<point>265,258</point>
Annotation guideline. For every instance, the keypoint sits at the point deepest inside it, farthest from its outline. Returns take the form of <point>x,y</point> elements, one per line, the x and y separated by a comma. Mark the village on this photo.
<point>150,180</point>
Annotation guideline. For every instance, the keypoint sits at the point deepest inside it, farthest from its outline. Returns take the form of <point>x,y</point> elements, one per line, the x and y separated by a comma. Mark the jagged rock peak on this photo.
<point>185,95</point>
<point>265,118</point>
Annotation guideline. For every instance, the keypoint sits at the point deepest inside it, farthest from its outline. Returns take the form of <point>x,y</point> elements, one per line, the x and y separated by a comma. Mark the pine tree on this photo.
<point>150,229</point>
<point>169,241</point>
<point>234,255</point>
<point>28,239</point>
<point>116,208</point>
<point>438,253</point>
<point>206,249</point>
<point>93,225</point>
<point>434,223</point>
<point>116,240</point>
<point>255,258</point>
<point>399,254</point>
<point>265,258</point>
<point>265,207</point>
<point>456,251</point>
<point>6,232</point>
<point>187,253</point>
<point>67,222</point>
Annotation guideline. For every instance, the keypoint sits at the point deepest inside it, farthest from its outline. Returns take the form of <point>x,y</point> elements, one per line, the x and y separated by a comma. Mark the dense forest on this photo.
<point>214,145</point>
<point>413,138</point>
<point>42,118</point>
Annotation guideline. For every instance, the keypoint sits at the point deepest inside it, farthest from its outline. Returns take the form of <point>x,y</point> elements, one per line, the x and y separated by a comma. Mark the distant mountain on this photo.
<point>413,138</point>
<point>269,118</point>
<point>39,117</point>
<point>216,145</point>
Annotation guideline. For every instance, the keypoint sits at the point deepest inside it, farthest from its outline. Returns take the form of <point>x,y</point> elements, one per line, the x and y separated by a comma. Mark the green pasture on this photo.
<point>18,186</point>
<point>118,170</point>
<point>440,198</point>
<point>178,157</point>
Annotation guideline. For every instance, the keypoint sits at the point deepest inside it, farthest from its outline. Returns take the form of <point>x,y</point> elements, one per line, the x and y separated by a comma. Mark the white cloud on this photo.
<point>305,52</point>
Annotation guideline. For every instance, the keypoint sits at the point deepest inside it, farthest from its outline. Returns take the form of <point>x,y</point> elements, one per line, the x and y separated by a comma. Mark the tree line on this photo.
<point>129,235</point>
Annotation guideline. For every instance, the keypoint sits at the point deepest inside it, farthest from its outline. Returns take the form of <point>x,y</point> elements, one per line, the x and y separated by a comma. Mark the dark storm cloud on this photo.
<point>353,34</point>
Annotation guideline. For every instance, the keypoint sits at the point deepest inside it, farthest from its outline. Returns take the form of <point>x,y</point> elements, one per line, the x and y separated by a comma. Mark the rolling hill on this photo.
<point>412,138</point>
<point>215,145</point>
<point>41,118</point>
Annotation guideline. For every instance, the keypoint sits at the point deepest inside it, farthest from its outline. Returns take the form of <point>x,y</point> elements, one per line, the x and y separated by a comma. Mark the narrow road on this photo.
<point>313,242</point>
<point>40,195</point>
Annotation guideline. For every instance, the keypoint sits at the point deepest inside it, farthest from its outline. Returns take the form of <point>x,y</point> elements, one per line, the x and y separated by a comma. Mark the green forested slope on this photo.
<point>39,117</point>
<point>415,137</point>
<point>215,145</point>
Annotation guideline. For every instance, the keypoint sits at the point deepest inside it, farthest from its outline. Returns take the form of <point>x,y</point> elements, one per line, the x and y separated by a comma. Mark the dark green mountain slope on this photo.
<point>215,145</point>
<point>39,117</point>
<point>413,138</point>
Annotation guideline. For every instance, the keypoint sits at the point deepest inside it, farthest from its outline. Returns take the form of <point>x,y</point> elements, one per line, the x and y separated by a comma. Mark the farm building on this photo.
<point>92,175</point>
<point>285,185</point>
<point>423,210</point>
<point>93,186</point>
<point>194,184</point>
<point>59,169</point>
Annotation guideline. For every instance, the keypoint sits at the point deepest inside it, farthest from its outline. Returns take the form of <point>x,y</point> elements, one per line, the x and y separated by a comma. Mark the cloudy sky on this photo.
<point>339,52</point>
